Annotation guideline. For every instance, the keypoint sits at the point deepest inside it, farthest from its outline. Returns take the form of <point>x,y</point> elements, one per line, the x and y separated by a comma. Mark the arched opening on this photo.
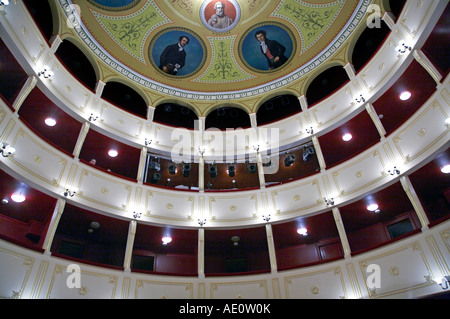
<point>77,63</point>
<point>367,45</point>
<point>326,83</point>
<point>278,108</point>
<point>175,115</point>
<point>227,117</point>
<point>125,97</point>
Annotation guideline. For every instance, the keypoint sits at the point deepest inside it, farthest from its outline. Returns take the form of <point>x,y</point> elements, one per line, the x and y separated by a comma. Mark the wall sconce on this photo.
<point>69,192</point>
<point>7,150</point>
<point>201,151</point>
<point>329,202</point>
<point>444,283</point>
<point>403,47</point>
<point>256,148</point>
<point>202,222</point>
<point>266,217</point>
<point>394,171</point>
<point>309,130</point>
<point>235,240</point>
<point>148,142</point>
<point>360,99</point>
<point>3,4</point>
<point>302,231</point>
<point>46,72</point>
<point>137,215</point>
<point>93,117</point>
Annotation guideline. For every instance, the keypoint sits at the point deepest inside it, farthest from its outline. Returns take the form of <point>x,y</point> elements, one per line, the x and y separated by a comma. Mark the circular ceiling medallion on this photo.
<point>114,5</point>
<point>220,16</point>
<point>267,47</point>
<point>177,52</point>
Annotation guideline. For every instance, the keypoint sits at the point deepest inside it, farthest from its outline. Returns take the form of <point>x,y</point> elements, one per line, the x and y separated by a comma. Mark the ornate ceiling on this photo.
<point>220,63</point>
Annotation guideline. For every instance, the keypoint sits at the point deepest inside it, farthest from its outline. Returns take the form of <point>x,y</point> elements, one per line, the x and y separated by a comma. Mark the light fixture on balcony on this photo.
<point>166,240</point>
<point>256,148</point>
<point>445,282</point>
<point>309,130</point>
<point>202,222</point>
<point>7,150</point>
<point>148,141</point>
<point>360,99</point>
<point>137,215</point>
<point>403,47</point>
<point>201,151</point>
<point>46,72</point>
<point>329,202</point>
<point>69,192</point>
<point>302,231</point>
<point>266,217</point>
<point>3,4</point>
<point>93,117</point>
<point>394,171</point>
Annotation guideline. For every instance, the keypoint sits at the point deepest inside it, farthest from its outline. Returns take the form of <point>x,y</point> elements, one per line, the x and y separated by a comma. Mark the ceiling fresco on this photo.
<point>223,52</point>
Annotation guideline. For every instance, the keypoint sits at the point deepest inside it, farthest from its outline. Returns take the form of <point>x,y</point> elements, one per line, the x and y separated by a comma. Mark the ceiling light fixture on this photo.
<point>347,137</point>
<point>18,197</point>
<point>50,121</point>
<point>373,208</point>
<point>445,169</point>
<point>113,153</point>
<point>405,95</point>
<point>166,240</point>
<point>302,231</point>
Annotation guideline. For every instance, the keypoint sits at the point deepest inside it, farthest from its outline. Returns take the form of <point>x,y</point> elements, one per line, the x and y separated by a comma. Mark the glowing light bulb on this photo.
<point>347,137</point>
<point>405,95</point>
<point>302,231</point>
<point>113,153</point>
<point>50,121</point>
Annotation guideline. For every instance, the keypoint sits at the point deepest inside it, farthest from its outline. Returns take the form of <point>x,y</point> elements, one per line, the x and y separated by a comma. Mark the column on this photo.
<point>415,201</point>
<point>303,103</point>
<point>199,128</point>
<point>389,19</point>
<point>99,86</point>
<point>262,180</point>
<point>55,42</point>
<point>427,65</point>
<point>141,168</point>
<point>271,247</point>
<point>341,230</point>
<point>350,70</point>
<point>150,113</point>
<point>376,120</point>
<point>56,216</point>
<point>24,91</point>
<point>129,247</point>
<point>316,144</point>
<point>81,137</point>
<point>253,120</point>
<point>201,253</point>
